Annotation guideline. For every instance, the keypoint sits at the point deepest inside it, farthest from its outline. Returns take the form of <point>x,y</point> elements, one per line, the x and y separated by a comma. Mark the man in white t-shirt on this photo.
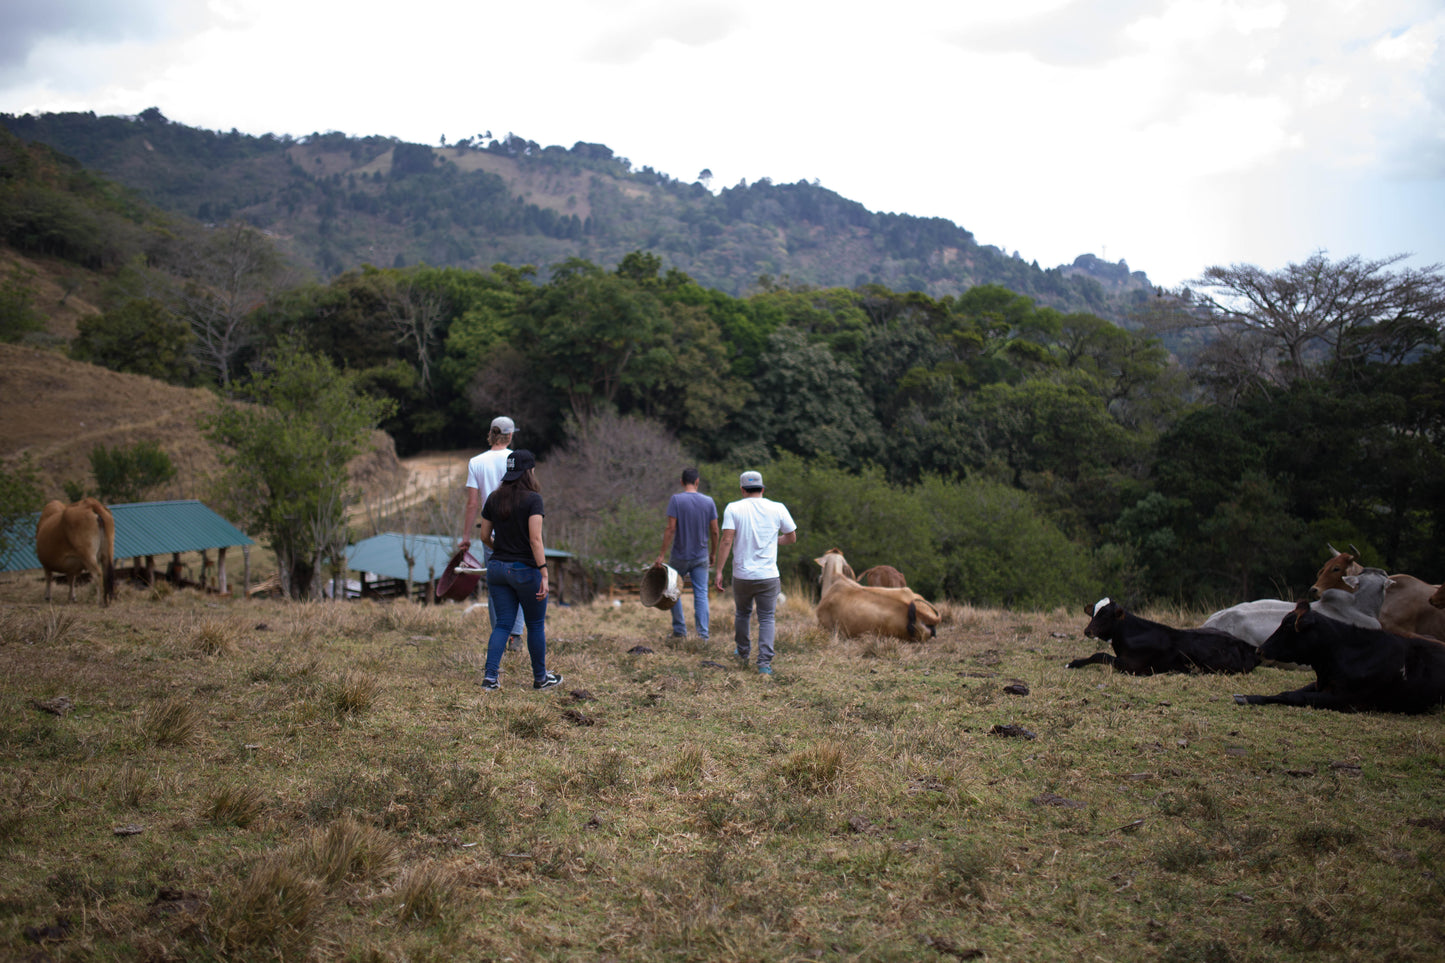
<point>753,527</point>
<point>484,474</point>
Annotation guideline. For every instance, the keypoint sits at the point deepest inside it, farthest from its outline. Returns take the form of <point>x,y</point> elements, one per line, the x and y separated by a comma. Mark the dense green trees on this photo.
<point>1088,430</point>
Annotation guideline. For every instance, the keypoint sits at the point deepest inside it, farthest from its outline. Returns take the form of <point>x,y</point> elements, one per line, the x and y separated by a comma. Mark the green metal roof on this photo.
<point>141,528</point>
<point>385,554</point>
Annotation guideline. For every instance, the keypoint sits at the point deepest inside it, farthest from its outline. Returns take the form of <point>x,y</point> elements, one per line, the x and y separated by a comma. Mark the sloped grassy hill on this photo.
<point>57,411</point>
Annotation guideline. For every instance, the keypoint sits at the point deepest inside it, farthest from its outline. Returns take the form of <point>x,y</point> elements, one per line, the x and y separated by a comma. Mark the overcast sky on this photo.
<point>1173,134</point>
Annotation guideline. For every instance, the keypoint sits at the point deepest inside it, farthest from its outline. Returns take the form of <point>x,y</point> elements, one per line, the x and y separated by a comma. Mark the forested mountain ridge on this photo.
<point>336,202</point>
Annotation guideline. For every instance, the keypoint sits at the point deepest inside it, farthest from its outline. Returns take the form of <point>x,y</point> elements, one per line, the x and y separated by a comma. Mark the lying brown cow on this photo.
<point>848,608</point>
<point>1407,609</point>
<point>883,576</point>
<point>71,539</point>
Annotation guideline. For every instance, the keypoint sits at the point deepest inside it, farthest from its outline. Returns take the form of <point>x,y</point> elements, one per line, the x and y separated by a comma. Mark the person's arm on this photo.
<point>486,535</point>
<point>469,519</point>
<point>667,537</point>
<point>725,545</point>
<point>713,538</point>
<point>539,555</point>
<point>788,538</point>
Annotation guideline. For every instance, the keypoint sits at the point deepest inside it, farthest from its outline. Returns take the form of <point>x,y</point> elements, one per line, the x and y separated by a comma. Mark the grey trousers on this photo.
<point>762,592</point>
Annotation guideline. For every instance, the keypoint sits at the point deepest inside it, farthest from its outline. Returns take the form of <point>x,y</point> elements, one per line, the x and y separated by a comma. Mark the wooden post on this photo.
<point>246,571</point>
<point>150,571</point>
<point>221,571</point>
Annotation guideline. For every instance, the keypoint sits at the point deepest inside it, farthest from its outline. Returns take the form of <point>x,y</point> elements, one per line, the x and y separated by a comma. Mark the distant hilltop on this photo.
<point>336,202</point>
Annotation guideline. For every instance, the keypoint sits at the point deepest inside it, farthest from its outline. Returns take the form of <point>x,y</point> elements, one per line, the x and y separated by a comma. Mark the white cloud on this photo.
<point>1174,133</point>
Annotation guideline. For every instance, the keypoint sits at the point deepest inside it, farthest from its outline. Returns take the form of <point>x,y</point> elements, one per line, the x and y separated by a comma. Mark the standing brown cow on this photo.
<point>71,539</point>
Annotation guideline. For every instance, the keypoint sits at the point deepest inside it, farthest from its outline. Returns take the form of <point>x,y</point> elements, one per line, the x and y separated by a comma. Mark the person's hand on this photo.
<point>659,563</point>
<point>718,580</point>
<point>542,589</point>
<point>464,544</point>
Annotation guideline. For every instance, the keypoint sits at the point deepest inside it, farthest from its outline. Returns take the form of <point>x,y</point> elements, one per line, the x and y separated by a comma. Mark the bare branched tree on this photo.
<point>415,313</point>
<point>1292,323</point>
<point>606,491</point>
<point>226,280</point>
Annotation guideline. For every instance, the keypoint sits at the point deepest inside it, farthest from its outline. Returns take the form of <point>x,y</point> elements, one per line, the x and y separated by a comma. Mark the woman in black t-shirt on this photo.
<point>517,572</point>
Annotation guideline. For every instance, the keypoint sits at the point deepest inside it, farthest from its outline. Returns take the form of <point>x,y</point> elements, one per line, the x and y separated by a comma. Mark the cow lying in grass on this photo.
<point>1142,647</point>
<point>850,609</point>
<point>1407,609</point>
<point>1355,668</point>
<point>1356,599</point>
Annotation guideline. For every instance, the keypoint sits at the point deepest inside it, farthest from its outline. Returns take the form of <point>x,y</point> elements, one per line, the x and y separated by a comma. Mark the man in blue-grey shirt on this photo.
<point>692,532</point>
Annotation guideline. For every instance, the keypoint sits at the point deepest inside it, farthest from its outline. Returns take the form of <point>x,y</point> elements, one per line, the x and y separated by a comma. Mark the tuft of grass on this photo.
<point>130,785</point>
<point>424,893</point>
<point>687,770</point>
<point>351,850</point>
<point>529,722</point>
<point>355,693</point>
<point>963,873</point>
<point>213,637</point>
<point>231,804</point>
<point>171,722</point>
<point>1324,837</point>
<point>821,768</point>
<point>879,647</point>
<point>273,909</point>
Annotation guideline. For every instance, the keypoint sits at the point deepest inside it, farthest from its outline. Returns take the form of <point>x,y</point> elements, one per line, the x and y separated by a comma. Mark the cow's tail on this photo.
<point>107,553</point>
<point>913,632</point>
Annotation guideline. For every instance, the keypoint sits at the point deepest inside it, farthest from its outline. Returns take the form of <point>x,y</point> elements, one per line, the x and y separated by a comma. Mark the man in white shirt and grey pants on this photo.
<point>755,526</point>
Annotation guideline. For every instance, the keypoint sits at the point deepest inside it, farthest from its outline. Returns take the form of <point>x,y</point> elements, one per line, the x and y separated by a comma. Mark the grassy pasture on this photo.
<point>189,778</point>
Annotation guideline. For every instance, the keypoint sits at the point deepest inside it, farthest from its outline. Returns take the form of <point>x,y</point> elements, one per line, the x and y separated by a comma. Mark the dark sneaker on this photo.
<point>491,685</point>
<point>741,656</point>
<point>551,680</point>
<point>765,670</point>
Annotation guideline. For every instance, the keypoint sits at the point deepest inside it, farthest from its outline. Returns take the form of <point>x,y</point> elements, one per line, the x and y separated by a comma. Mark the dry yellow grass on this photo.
<point>346,790</point>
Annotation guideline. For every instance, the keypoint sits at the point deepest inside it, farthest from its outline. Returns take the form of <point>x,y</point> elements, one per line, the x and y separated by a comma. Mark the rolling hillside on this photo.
<point>336,202</point>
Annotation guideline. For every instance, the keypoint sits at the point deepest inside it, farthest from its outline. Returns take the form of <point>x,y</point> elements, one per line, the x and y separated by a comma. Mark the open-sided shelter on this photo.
<point>144,530</point>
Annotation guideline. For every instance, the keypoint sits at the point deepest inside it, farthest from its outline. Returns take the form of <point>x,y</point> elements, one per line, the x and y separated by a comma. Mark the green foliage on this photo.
<point>141,336</point>
<point>972,540</point>
<point>20,496</point>
<point>127,474</point>
<point>810,403</point>
<point>18,316</point>
<point>288,457</point>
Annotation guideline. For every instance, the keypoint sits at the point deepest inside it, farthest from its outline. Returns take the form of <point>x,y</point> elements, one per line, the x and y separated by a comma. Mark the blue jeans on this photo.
<point>491,606</point>
<point>512,588</point>
<point>695,569</point>
<point>762,592</point>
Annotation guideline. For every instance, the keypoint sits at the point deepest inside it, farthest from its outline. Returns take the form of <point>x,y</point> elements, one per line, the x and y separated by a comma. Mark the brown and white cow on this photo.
<point>850,609</point>
<point>71,539</point>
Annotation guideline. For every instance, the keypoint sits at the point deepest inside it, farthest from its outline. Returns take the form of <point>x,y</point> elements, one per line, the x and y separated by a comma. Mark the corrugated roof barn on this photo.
<point>141,529</point>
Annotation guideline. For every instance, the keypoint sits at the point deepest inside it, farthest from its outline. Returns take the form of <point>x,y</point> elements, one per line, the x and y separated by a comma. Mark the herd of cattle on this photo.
<point>1375,641</point>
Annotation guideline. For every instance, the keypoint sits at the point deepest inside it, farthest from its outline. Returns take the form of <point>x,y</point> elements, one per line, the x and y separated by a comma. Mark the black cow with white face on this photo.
<point>1142,647</point>
<point>1356,669</point>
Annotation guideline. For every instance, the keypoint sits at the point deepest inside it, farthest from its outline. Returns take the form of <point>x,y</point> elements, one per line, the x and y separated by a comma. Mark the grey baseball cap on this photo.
<point>504,424</point>
<point>750,479</point>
